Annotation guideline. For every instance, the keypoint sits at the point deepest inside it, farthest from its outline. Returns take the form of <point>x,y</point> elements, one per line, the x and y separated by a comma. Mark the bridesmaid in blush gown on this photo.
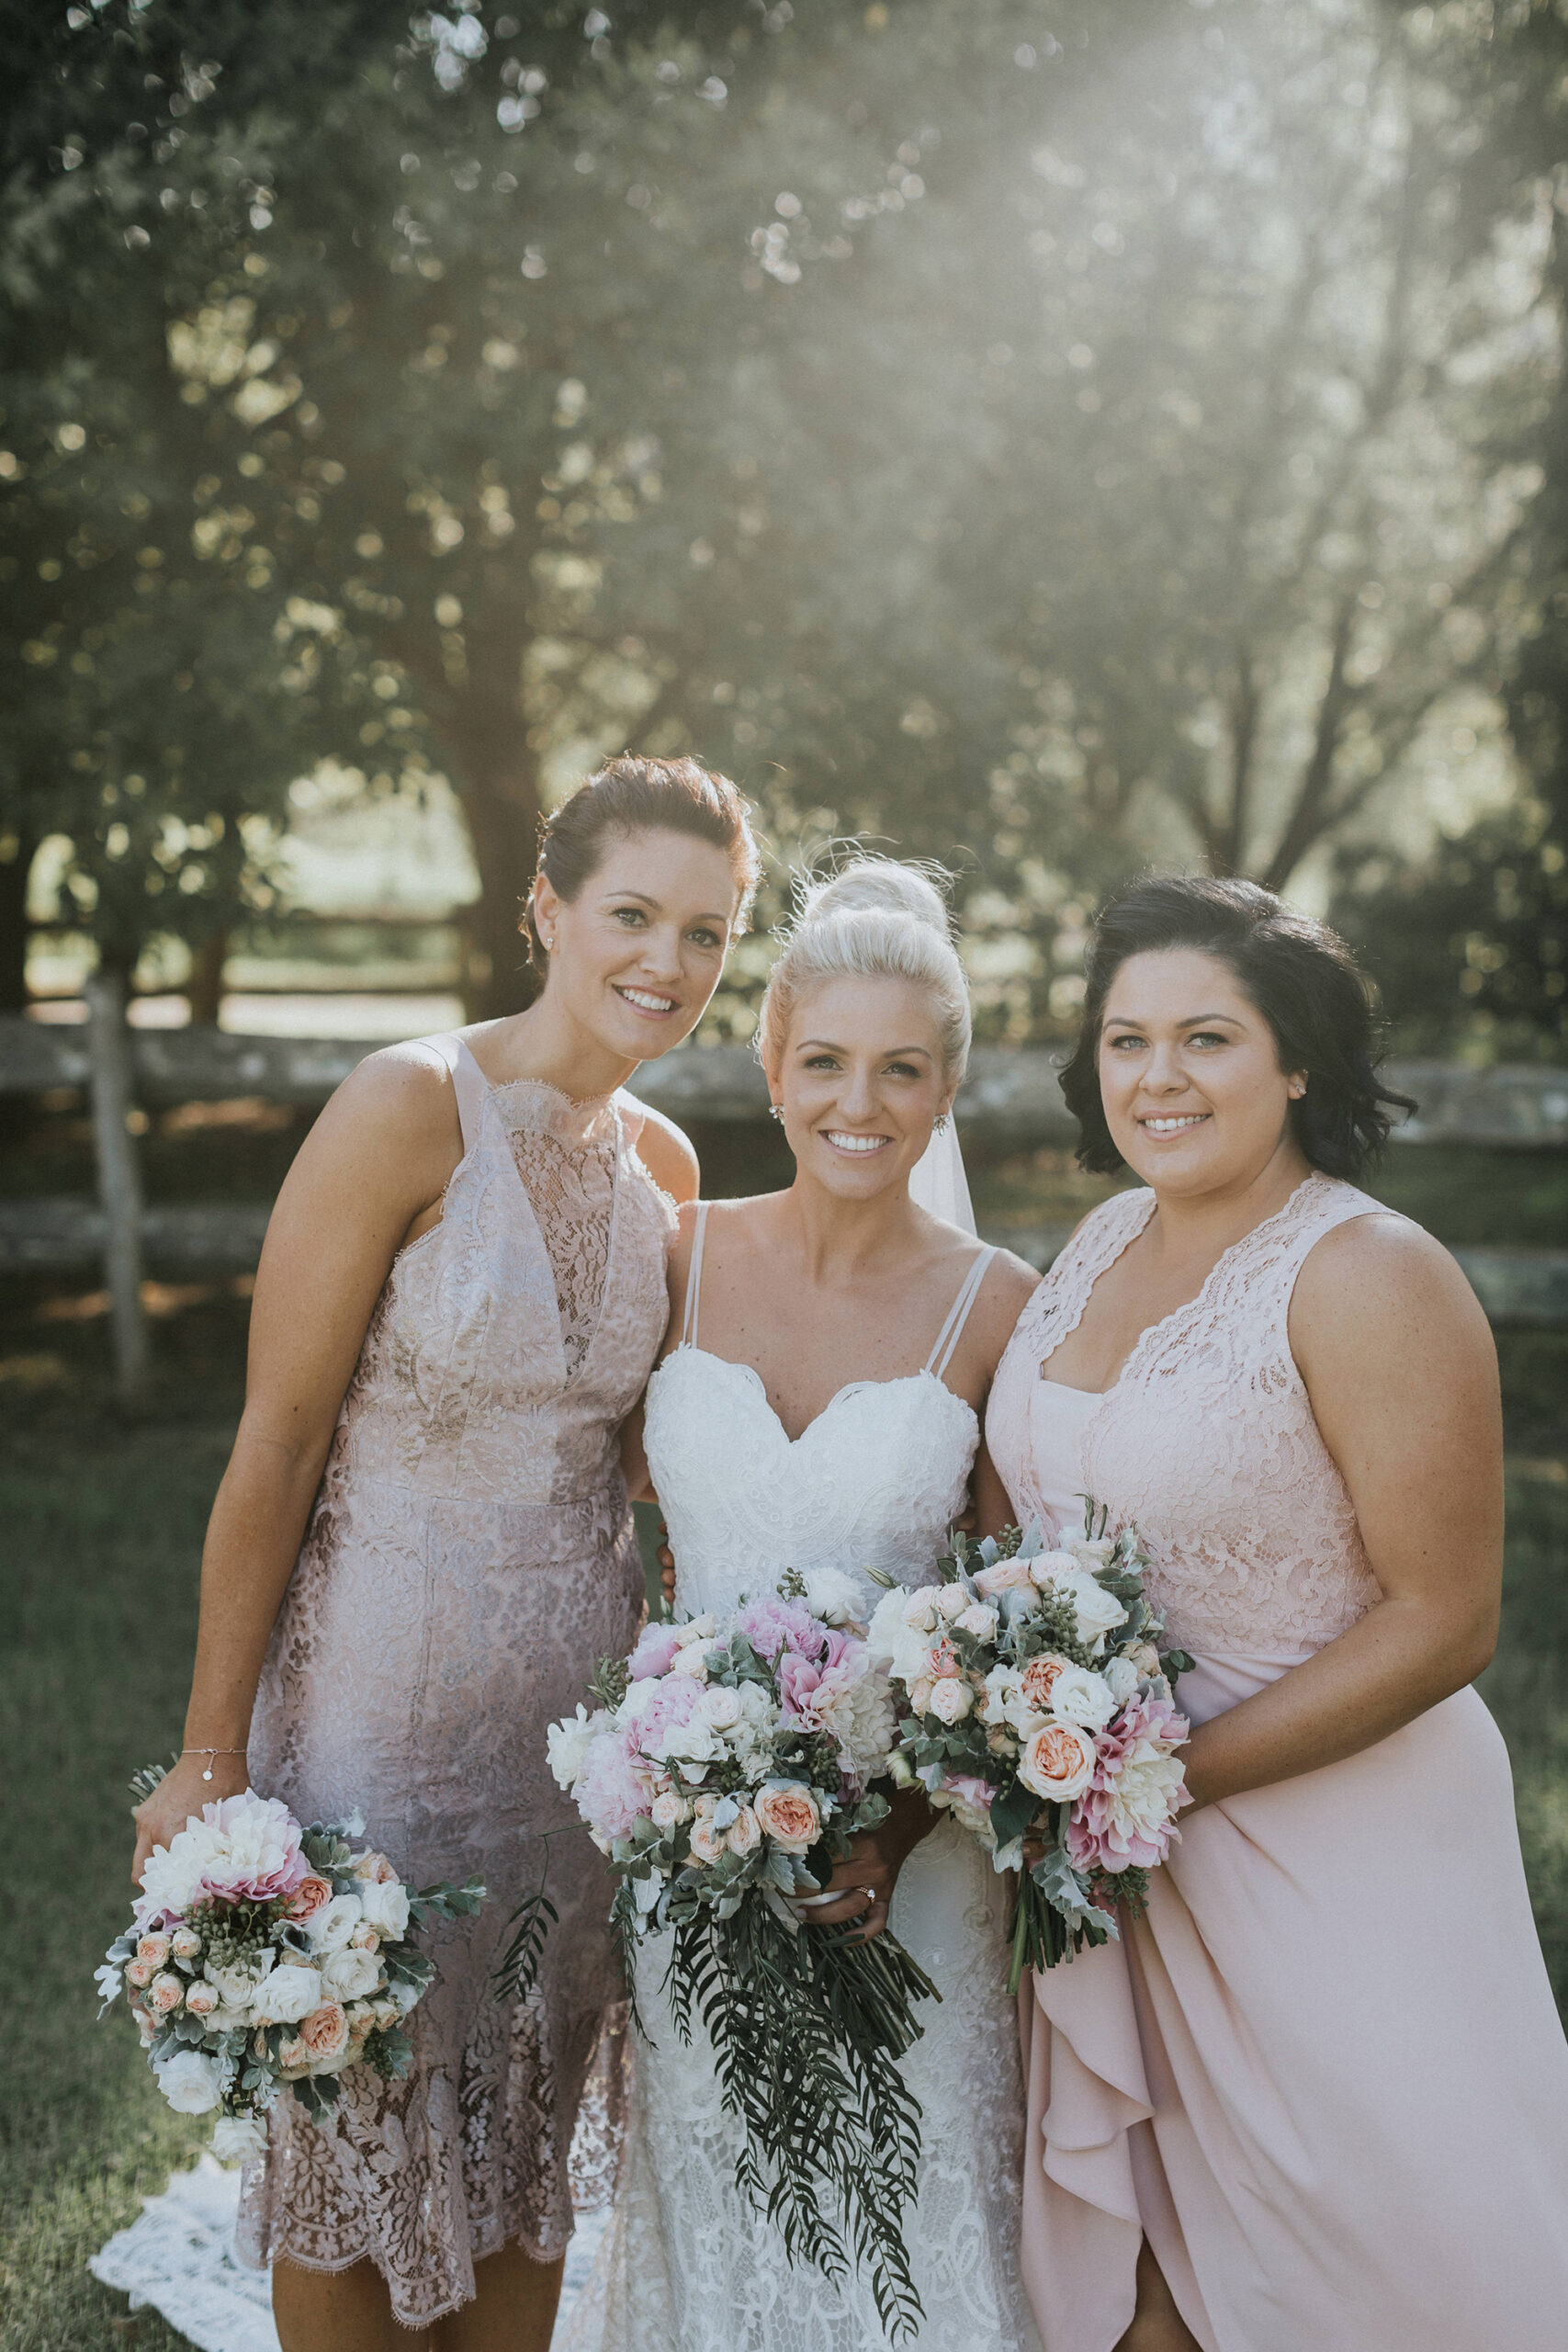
<point>1317,2098</point>
<point>423,1541</point>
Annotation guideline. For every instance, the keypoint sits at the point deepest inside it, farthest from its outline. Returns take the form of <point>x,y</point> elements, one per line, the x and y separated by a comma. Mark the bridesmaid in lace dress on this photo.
<point>1317,2098</point>
<point>462,1291</point>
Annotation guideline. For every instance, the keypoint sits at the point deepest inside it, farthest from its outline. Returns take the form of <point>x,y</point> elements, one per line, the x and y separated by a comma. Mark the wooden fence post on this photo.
<point>120,1179</point>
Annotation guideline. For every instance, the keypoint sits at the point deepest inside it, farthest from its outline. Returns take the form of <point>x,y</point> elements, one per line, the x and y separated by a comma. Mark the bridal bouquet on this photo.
<point>725,1768</point>
<point>1040,1701</point>
<point>263,1955</point>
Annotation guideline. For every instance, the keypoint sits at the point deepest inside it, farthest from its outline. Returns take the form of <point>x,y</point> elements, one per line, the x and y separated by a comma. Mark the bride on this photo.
<point>834,1345</point>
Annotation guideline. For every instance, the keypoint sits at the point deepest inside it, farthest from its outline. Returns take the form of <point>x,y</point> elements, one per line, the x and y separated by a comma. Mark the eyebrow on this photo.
<point>1187,1020</point>
<point>891,1053</point>
<point>656,907</point>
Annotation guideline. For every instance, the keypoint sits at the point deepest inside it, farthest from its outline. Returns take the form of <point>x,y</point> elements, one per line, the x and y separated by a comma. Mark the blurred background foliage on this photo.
<point>1047,436</point>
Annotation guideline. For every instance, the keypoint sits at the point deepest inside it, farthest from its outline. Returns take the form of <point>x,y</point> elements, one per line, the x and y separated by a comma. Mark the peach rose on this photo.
<point>361,2019</point>
<point>324,2033</point>
<point>942,1659</point>
<point>375,1868</point>
<point>365,1940</point>
<point>202,1998</point>
<point>184,1943</point>
<point>312,1895</point>
<point>1039,1680</point>
<point>293,2060</point>
<point>144,2025</point>
<point>1006,1575</point>
<point>167,1992</point>
<point>743,1835</point>
<point>1058,1762</point>
<point>154,1950</point>
<point>951,1701</point>
<point>707,1843</point>
<point>139,1973</point>
<point>788,1814</point>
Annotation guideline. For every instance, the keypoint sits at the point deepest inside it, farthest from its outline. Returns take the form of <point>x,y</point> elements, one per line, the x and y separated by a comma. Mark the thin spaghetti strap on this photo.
<point>470,1083</point>
<point>951,1331</point>
<point>694,1279</point>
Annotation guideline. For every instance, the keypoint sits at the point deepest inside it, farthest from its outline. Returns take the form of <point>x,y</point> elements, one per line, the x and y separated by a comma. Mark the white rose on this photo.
<point>692,1661</point>
<point>184,1943</point>
<point>288,1993</point>
<point>568,1744</point>
<point>237,1983</point>
<point>1097,1612</point>
<point>833,1596</point>
<point>670,1810</point>
<point>333,1925</point>
<point>920,1609</point>
<point>348,1975</point>
<point>978,1619</point>
<point>1080,1696</point>
<point>696,1629</point>
<point>190,2081</point>
<point>952,1600</point>
<point>721,1706</point>
<point>1122,1679</point>
<point>385,1906</point>
<point>951,1699</point>
<point>236,2138</point>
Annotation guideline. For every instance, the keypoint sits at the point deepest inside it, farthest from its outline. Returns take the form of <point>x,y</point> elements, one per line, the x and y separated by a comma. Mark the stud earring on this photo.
<point>941,1123</point>
<point>775,1110</point>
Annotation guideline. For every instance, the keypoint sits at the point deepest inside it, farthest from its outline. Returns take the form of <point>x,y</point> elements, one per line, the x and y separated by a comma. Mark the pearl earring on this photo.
<point>940,1124</point>
<point>775,1110</point>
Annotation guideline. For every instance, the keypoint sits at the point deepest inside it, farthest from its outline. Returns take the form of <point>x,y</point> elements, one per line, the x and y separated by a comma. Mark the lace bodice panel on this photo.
<point>875,1481</point>
<point>1207,1440</point>
<point>495,1368</point>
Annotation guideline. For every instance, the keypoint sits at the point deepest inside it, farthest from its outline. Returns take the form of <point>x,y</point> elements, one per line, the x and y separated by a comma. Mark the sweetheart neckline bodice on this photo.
<point>850,1388</point>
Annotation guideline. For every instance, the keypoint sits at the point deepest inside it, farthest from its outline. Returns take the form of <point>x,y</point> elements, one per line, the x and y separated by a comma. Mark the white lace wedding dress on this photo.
<point>687,2266</point>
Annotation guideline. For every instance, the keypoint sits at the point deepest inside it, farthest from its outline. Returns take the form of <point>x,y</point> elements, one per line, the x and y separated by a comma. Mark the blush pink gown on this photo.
<point>1323,2074</point>
<point>470,1558</point>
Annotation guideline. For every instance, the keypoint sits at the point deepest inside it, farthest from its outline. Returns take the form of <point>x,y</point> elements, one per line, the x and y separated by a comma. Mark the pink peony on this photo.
<point>969,1789</point>
<point>1126,1819</point>
<point>772,1625</point>
<point>654,1652</point>
<point>611,1794</point>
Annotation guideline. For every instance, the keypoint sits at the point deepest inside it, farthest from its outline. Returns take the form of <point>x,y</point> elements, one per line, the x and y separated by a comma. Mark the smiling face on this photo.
<point>860,1080</point>
<point>637,954</point>
<point>1190,1075</point>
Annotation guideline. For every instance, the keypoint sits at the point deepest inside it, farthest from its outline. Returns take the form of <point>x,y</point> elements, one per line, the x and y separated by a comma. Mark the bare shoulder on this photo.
<point>1379,1284</point>
<point>1011,1282</point>
<point>666,1152</point>
<point>401,1093</point>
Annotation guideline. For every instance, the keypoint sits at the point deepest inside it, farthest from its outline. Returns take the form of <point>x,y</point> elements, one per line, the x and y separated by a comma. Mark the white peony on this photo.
<point>861,1715</point>
<point>348,1975</point>
<point>384,1905</point>
<point>289,1992</point>
<point>190,2081</point>
<point>691,1661</point>
<point>1003,1700</point>
<point>569,1742</point>
<point>237,2138</point>
<point>833,1596</point>
<point>1082,1697</point>
<point>898,1636</point>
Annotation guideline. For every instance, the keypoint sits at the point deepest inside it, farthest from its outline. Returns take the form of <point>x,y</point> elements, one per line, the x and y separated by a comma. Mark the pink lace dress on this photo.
<point>470,1556</point>
<point>1323,2074</point>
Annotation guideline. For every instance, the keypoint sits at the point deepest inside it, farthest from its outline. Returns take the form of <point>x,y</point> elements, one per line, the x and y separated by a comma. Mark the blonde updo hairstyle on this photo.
<point>875,919</point>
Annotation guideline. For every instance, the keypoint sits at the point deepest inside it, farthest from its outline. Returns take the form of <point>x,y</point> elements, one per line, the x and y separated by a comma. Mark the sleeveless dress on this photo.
<point>875,1481</point>
<point>469,1555</point>
<point>1323,2074</point>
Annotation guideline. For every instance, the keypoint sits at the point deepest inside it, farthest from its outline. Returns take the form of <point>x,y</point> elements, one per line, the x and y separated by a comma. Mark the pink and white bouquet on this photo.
<point>725,1768</point>
<point>263,1956</point>
<point>1040,1703</point>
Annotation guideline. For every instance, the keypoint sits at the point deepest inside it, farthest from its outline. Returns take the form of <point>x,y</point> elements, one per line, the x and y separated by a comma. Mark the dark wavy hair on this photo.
<point>1301,977</point>
<point>634,796</point>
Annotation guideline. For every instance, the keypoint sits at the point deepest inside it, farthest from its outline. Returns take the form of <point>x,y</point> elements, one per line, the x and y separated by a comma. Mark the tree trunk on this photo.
<point>204,990</point>
<point>497,782</point>
<point>16,1110</point>
<point>119,1178</point>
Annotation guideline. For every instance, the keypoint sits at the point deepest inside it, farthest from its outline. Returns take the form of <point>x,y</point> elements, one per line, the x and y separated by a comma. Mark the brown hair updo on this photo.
<point>632,795</point>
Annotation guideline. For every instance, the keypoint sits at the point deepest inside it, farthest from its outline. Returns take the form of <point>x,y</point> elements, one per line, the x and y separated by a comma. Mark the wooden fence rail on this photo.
<point>1011,1101</point>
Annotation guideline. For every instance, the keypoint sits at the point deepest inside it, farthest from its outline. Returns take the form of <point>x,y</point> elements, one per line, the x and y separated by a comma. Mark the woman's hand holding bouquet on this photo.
<point>1041,1707</point>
